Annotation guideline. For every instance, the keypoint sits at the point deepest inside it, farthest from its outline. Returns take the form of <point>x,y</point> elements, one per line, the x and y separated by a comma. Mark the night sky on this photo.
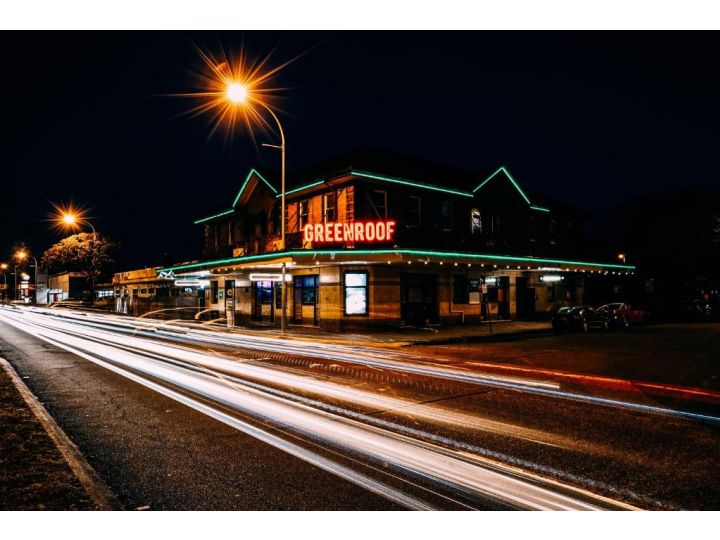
<point>587,118</point>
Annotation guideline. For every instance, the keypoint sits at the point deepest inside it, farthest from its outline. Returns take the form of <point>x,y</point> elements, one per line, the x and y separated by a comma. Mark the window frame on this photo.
<point>385,203</point>
<point>330,195</point>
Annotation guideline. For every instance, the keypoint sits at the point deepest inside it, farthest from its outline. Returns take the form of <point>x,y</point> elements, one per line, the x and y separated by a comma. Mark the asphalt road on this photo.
<point>153,451</point>
<point>611,441</point>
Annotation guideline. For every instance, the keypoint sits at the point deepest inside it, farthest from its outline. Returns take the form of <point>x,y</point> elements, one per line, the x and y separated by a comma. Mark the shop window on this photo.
<point>475,221</point>
<point>329,207</point>
<point>446,216</point>
<point>307,287</point>
<point>378,200</point>
<point>214,291</point>
<point>356,293</point>
<point>414,210</point>
<point>460,290</point>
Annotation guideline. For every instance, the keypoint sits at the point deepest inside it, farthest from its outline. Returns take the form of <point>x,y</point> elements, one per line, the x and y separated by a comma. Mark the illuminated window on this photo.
<point>378,200</point>
<point>329,204</point>
<point>303,213</point>
<point>356,293</point>
<point>475,221</point>
<point>413,217</point>
<point>446,216</point>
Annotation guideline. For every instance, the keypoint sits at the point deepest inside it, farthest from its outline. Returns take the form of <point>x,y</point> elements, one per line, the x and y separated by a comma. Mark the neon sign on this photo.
<point>365,231</point>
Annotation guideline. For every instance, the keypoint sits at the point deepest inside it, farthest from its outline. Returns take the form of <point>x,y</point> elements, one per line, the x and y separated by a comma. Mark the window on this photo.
<point>378,200</point>
<point>356,293</point>
<point>214,291</point>
<point>306,289</point>
<point>460,290</point>
<point>303,213</point>
<point>475,221</point>
<point>413,214</point>
<point>329,207</point>
<point>446,216</point>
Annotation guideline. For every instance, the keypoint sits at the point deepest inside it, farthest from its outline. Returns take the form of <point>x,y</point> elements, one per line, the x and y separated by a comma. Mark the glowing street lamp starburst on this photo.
<point>235,90</point>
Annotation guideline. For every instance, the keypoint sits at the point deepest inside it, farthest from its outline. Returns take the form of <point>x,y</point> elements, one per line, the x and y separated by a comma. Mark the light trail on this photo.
<point>367,356</point>
<point>469,477</point>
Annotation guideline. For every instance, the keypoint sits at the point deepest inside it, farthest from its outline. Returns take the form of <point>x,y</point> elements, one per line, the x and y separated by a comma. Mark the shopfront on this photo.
<point>370,248</point>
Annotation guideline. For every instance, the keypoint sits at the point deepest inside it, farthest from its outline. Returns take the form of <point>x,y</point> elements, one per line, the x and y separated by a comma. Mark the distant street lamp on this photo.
<point>621,256</point>
<point>4,267</point>
<point>21,255</point>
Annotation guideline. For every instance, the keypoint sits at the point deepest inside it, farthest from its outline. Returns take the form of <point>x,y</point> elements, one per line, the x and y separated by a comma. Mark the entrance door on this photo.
<point>418,299</point>
<point>262,305</point>
<point>521,297</point>
<point>305,299</point>
<point>503,297</point>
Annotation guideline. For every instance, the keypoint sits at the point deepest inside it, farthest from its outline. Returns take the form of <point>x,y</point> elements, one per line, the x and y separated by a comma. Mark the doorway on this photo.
<point>305,300</point>
<point>419,299</point>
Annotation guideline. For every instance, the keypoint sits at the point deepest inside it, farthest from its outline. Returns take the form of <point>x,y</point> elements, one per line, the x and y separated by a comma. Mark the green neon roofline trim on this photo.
<point>415,252</point>
<point>225,213</point>
<point>409,183</point>
<point>540,208</point>
<point>295,190</point>
<point>509,177</point>
<point>247,179</point>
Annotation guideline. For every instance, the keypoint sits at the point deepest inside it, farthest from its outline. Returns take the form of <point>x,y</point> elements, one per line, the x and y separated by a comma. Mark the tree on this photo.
<point>83,252</point>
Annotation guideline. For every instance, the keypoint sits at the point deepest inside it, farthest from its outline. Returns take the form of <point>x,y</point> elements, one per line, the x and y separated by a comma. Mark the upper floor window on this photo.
<point>446,216</point>
<point>475,221</point>
<point>303,213</point>
<point>378,200</point>
<point>414,211</point>
<point>329,207</point>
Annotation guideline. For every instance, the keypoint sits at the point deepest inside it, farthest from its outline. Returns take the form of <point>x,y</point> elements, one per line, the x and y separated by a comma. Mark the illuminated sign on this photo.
<point>269,277</point>
<point>192,282</point>
<point>551,279</point>
<point>358,231</point>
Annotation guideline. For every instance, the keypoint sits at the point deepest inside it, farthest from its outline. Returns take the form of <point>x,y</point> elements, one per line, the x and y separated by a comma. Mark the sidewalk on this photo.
<point>501,331</point>
<point>38,466</point>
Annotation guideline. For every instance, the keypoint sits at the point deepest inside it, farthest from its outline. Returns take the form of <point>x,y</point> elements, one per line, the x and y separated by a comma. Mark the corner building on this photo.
<point>376,239</point>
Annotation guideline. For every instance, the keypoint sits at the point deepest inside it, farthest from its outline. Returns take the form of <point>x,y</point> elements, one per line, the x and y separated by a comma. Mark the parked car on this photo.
<point>619,315</point>
<point>571,319</point>
<point>696,310</point>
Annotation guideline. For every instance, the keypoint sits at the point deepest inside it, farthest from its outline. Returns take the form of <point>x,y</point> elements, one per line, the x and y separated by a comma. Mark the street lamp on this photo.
<point>71,220</point>
<point>621,257</point>
<point>239,94</point>
<point>4,267</point>
<point>21,255</point>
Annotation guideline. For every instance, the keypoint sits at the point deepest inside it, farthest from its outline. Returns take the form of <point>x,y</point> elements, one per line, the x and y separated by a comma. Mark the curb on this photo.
<point>89,478</point>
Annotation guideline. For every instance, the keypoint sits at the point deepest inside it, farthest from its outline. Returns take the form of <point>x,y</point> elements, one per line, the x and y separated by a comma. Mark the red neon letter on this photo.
<point>370,231</point>
<point>329,232</point>
<point>359,232</point>
<point>338,232</point>
<point>319,233</point>
<point>348,232</point>
<point>380,231</point>
<point>390,230</point>
<point>307,233</point>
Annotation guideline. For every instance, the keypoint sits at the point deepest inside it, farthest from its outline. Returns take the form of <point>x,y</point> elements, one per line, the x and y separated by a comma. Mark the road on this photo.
<point>174,416</point>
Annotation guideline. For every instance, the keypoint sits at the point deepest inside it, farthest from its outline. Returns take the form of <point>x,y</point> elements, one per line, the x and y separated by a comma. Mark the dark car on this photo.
<point>571,319</point>
<point>696,310</point>
<point>613,316</point>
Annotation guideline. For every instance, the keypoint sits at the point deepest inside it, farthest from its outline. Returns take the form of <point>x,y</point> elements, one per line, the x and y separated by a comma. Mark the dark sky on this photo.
<point>588,118</point>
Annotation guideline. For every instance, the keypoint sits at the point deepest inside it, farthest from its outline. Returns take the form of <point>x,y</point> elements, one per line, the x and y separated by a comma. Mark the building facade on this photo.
<point>381,240</point>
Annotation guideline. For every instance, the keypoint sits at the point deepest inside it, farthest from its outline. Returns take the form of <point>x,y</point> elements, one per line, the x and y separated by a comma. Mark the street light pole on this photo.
<point>283,318</point>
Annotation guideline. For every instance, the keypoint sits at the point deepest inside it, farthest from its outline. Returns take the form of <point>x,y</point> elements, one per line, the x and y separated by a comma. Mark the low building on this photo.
<point>67,286</point>
<point>142,291</point>
<point>378,239</point>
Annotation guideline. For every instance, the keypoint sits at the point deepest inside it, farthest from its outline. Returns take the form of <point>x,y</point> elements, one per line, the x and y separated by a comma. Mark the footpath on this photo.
<point>40,468</point>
